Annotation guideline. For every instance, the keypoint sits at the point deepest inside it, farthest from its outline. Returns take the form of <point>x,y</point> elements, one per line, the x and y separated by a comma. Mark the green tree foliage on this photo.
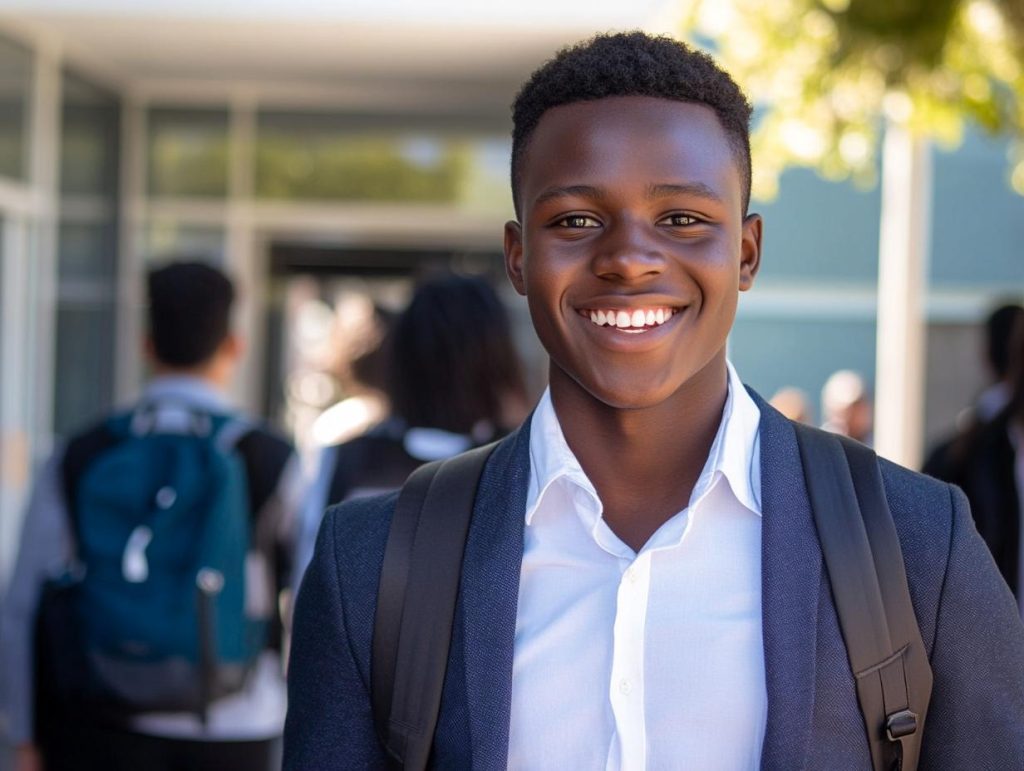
<point>829,73</point>
<point>332,166</point>
<point>188,153</point>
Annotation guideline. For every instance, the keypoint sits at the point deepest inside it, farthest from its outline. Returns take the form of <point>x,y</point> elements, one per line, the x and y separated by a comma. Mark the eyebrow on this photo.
<point>581,191</point>
<point>698,189</point>
<point>663,190</point>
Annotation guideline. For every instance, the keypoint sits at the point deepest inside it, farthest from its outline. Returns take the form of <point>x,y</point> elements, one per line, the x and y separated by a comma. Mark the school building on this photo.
<point>323,153</point>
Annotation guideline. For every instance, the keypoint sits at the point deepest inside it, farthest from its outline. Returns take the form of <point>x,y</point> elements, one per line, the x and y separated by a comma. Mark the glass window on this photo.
<point>317,156</point>
<point>168,239</point>
<point>84,385</point>
<point>3,343</point>
<point>15,86</point>
<point>90,125</point>
<point>87,256</point>
<point>188,152</point>
<point>87,253</point>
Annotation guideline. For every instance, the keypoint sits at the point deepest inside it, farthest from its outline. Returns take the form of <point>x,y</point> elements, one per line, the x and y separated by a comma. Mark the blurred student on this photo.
<point>945,458</point>
<point>987,461</point>
<point>453,380</point>
<point>158,540</point>
<point>999,332</point>
<point>793,403</point>
<point>846,406</point>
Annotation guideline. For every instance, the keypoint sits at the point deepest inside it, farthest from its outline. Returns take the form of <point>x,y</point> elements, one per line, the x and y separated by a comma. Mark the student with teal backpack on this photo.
<point>155,593</point>
<point>154,549</point>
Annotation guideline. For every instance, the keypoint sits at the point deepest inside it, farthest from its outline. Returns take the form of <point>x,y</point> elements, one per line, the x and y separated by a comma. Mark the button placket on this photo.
<point>627,683</point>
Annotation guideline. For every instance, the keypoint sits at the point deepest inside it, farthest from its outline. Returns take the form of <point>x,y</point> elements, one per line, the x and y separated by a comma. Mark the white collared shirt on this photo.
<point>649,660</point>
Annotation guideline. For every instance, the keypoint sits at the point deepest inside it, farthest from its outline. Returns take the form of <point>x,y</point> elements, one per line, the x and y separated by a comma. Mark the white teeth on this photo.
<point>630,320</point>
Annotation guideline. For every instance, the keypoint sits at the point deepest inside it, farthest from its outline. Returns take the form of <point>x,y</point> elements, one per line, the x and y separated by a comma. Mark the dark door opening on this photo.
<point>326,310</point>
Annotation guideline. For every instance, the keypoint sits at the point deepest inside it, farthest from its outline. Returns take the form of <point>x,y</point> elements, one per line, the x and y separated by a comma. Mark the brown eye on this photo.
<point>680,220</point>
<point>578,221</point>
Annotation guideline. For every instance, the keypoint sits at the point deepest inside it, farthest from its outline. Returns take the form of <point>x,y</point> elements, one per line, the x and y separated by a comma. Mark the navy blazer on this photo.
<point>968,618</point>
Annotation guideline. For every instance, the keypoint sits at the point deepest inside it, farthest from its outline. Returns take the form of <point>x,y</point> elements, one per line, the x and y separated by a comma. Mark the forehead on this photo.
<point>618,141</point>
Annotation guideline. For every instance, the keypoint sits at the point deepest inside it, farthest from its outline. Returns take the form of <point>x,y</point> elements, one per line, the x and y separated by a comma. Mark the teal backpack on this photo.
<point>151,614</point>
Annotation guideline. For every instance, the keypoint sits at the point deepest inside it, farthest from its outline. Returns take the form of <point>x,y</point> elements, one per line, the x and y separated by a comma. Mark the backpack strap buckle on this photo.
<point>900,724</point>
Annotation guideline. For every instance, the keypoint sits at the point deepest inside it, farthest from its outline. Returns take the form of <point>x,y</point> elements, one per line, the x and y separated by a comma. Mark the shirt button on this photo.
<point>631,575</point>
<point>625,687</point>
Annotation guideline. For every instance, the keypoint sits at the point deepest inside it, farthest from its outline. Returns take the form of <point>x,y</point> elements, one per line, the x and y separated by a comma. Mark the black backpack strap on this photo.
<point>419,586</point>
<point>80,451</point>
<point>265,456</point>
<point>869,585</point>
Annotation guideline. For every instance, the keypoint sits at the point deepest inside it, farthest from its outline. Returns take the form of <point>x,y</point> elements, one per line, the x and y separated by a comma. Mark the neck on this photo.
<point>211,376</point>
<point>643,462</point>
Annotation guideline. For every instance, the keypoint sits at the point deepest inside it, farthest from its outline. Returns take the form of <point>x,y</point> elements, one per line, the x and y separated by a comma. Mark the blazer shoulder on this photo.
<point>923,509</point>
<point>925,512</point>
<point>347,562</point>
<point>905,485</point>
<point>359,528</point>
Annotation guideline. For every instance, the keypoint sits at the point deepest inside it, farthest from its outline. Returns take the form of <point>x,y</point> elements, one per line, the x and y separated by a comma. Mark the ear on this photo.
<point>750,250</point>
<point>514,256</point>
<point>233,346</point>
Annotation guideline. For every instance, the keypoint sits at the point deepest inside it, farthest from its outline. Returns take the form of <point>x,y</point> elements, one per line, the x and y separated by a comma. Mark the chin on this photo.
<point>629,393</point>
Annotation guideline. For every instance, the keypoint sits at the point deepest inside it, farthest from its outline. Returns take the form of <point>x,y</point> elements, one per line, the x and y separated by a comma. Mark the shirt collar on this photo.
<point>550,457</point>
<point>733,454</point>
<point>740,460</point>
<point>187,389</point>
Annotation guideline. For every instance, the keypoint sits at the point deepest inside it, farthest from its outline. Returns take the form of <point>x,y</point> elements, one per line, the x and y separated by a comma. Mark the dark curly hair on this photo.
<point>632,64</point>
<point>453,361</point>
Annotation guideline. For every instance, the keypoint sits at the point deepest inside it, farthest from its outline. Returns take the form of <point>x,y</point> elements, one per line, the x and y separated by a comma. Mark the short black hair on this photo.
<point>453,361</point>
<point>999,328</point>
<point>632,64</point>
<point>189,312</point>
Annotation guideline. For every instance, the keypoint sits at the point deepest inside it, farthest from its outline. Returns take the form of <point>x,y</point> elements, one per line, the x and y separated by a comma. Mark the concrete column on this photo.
<point>28,304</point>
<point>902,288</point>
<point>15,391</point>
<point>242,260</point>
<point>44,180</point>
<point>130,366</point>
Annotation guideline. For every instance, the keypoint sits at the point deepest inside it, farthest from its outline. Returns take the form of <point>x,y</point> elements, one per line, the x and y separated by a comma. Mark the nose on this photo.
<point>628,252</point>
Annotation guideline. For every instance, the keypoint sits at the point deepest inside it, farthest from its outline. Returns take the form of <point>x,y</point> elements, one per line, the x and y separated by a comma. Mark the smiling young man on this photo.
<point>642,584</point>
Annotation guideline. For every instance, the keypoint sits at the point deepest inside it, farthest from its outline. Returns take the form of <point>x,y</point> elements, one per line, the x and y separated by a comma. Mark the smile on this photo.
<point>633,321</point>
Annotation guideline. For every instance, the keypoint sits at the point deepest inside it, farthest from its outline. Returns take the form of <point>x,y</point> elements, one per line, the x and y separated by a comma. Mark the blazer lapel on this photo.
<point>791,575</point>
<point>490,595</point>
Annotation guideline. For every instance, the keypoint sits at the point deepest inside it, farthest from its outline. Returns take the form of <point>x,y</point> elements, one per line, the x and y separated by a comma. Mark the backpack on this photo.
<point>151,615</point>
<point>376,461</point>
<point>419,585</point>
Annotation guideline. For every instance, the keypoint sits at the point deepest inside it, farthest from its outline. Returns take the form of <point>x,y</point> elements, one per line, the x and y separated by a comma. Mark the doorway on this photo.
<point>328,308</point>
